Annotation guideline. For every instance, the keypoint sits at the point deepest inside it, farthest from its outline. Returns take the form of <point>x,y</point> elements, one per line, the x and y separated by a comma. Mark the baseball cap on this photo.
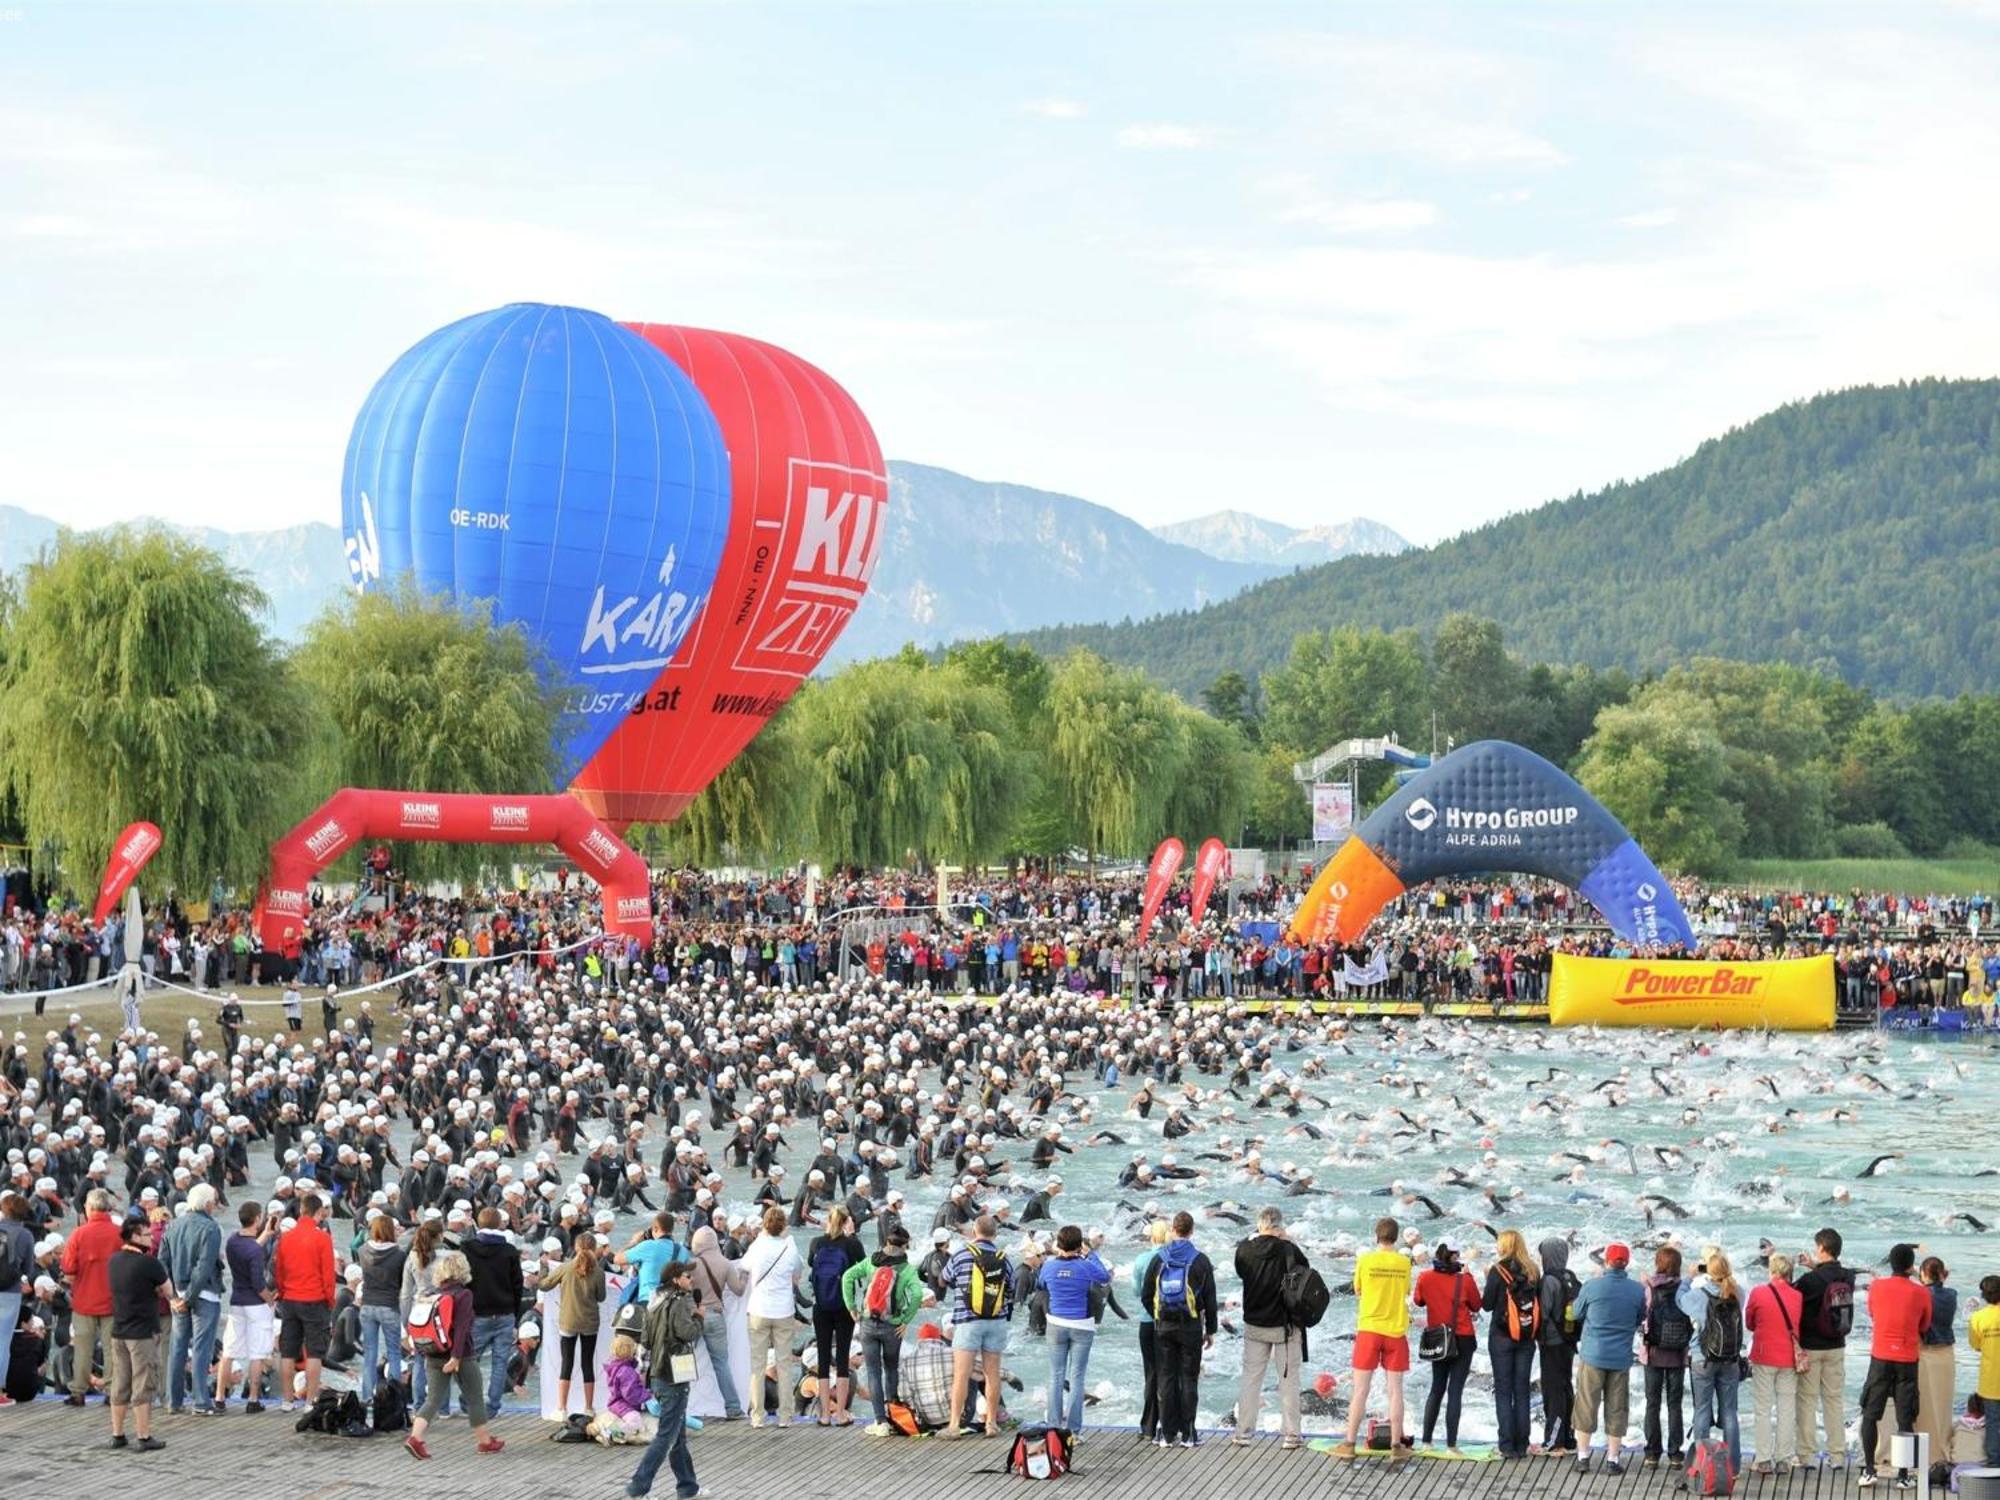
<point>1617,1255</point>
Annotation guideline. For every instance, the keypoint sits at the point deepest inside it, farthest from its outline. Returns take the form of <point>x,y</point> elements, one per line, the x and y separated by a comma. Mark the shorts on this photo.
<point>981,1336</point>
<point>131,1366</point>
<point>1381,1351</point>
<point>304,1329</point>
<point>248,1332</point>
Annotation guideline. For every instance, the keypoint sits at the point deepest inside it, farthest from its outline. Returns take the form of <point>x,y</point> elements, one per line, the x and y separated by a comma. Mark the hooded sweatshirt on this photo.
<point>1556,1292</point>
<point>906,1296</point>
<point>714,1272</point>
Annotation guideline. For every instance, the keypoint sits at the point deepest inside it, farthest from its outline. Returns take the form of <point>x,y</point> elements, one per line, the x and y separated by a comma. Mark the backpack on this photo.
<point>575,1428</point>
<point>1668,1329</point>
<point>829,1265</point>
<point>1722,1334</point>
<point>429,1327</point>
<point>328,1413</point>
<point>392,1407</point>
<point>987,1292</point>
<point>1710,1471</point>
<point>880,1297</point>
<point>1171,1290</point>
<point>1562,1329</point>
<point>1304,1294</point>
<point>1524,1306</point>
<point>1039,1453</point>
<point>1836,1309</point>
<point>904,1420</point>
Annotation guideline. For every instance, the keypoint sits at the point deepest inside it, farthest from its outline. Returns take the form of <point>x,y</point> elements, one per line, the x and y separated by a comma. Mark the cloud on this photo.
<point>1163,137</point>
<point>1440,104</point>
<point>1055,109</point>
<point>1651,218</point>
<point>1301,202</point>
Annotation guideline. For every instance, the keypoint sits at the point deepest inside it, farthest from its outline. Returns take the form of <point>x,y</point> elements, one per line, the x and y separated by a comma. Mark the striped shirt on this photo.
<point>960,1276</point>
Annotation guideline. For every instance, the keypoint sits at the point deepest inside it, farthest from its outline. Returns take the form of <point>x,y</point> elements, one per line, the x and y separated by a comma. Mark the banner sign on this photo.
<point>1333,811</point>
<point>1211,863</point>
<point>137,844</point>
<point>1159,875</point>
<point>1794,994</point>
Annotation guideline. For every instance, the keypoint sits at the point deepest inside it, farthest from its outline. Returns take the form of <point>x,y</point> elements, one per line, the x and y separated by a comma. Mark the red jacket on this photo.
<point>1901,1311</point>
<point>86,1261</point>
<point>303,1270</point>
<point>1765,1314</point>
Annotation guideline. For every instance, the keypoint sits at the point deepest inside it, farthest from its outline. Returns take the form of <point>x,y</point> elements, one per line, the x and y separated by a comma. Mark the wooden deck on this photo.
<point>48,1449</point>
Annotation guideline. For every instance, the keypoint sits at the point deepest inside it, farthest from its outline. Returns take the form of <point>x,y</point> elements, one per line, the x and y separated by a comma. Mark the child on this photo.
<point>624,1418</point>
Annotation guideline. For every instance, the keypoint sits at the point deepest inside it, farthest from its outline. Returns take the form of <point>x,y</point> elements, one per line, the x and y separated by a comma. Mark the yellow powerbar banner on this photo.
<point>1794,994</point>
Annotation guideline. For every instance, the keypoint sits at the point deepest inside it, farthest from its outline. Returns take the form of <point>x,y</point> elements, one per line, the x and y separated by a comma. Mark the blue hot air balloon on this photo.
<point>558,465</point>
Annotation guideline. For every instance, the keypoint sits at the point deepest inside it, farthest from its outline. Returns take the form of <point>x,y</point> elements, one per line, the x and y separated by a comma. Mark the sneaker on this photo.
<point>1583,1463</point>
<point>1905,1482</point>
<point>7,1400</point>
<point>288,1405</point>
<point>254,1408</point>
<point>1454,1452</point>
<point>1238,1440</point>
<point>207,1411</point>
<point>1613,1466</point>
<point>72,1400</point>
<point>1190,1442</point>
<point>1342,1450</point>
<point>118,1440</point>
<point>1650,1464</point>
<point>415,1447</point>
<point>1161,1443</point>
<point>492,1445</point>
<point>1868,1479</point>
<point>878,1429</point>
<point>149,1445</point>
<point>952,1433</point>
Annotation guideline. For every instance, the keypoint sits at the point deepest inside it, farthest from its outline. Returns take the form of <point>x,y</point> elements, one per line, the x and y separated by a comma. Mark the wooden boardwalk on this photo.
<point>49,1450</point>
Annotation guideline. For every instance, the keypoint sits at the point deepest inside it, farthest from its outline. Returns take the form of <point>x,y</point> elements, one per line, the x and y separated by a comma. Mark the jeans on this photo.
<point>10,1314</point>
<point>1513,1377</point>
<point>381,1340</point>
<point>199,1325</point>
<point>1558,1432</point>
<point>493,1340</point>
<point>1664,1389</point>
<point>1069,1359</point>
<point>1715,1389</point>
<point>1448,1391</point>
<point>670,1443</point>
<point>881,1350</point>
<point>715,1337</point>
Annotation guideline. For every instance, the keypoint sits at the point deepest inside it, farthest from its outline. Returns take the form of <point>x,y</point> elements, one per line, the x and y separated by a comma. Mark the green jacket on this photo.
<point>672,1327</point>
<point>904,1302</point>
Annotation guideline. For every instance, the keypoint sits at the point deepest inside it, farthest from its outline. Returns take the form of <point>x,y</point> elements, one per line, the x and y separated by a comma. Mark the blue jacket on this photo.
<point>192,1250</point>
<point>1608,1310</point>
<point>1068,1281</point>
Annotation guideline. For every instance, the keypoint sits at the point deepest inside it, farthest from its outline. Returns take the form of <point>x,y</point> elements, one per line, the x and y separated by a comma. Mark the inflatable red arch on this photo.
<point>355,814</point>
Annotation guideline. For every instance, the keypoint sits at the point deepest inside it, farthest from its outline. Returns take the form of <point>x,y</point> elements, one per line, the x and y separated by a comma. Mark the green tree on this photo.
<point>1477,689</point>
<point>753,812</point>
<point>1349,683</point>
<point>1117,746</point>
<point>426,695</point>
<point>1213,789</point>
<point>1659,768</point>
<point>1232,698</point>
<point>139,683</point>
<point>1278,811</point>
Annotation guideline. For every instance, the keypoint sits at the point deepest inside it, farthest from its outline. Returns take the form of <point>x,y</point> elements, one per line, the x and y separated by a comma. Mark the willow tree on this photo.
<point>425,694</point>
<point>907,761</point>
<point>1117,747</point>
<point>753,810</point>
<point>139,682</point>
<point>1210,797</point>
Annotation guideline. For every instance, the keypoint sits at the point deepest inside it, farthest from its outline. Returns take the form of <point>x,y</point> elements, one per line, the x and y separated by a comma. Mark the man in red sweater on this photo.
<point>303,1272</point>
<point>86,1263</point>
<point>1900,1311</point>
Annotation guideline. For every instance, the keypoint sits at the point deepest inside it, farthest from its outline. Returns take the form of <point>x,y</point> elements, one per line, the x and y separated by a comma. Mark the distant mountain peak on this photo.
<point>1238,536</point>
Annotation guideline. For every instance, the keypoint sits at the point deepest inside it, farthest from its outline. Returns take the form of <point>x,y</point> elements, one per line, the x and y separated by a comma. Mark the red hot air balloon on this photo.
<point>809,495</point>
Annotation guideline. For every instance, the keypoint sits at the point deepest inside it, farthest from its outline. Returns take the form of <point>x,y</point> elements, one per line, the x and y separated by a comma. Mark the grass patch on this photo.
<point>1914,877</point>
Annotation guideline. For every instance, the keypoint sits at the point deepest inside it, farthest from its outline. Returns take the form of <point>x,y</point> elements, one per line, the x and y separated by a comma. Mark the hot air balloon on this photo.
<point>554,463</point>
<point>809,494</point>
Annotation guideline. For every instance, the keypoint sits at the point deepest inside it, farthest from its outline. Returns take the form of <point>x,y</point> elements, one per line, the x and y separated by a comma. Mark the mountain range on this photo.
<point>960,558</point>
<point>1856,533</point>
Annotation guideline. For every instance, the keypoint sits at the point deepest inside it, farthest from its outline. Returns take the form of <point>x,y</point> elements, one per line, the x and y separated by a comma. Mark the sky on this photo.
<point>1423,263</point>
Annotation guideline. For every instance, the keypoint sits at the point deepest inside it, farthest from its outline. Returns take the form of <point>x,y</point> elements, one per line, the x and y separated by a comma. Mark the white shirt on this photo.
<point>771,1262</point>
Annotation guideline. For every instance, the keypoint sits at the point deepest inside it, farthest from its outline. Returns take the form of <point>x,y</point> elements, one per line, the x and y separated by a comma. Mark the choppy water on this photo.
<point>1768,1129</point>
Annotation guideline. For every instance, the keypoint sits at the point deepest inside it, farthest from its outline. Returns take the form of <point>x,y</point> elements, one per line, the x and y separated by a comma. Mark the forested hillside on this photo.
<point>1857,533</point>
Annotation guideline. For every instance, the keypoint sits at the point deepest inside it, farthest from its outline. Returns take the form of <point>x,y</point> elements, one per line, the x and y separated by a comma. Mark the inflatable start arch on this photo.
<point>354,814</point>
<point>1491,806</point>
